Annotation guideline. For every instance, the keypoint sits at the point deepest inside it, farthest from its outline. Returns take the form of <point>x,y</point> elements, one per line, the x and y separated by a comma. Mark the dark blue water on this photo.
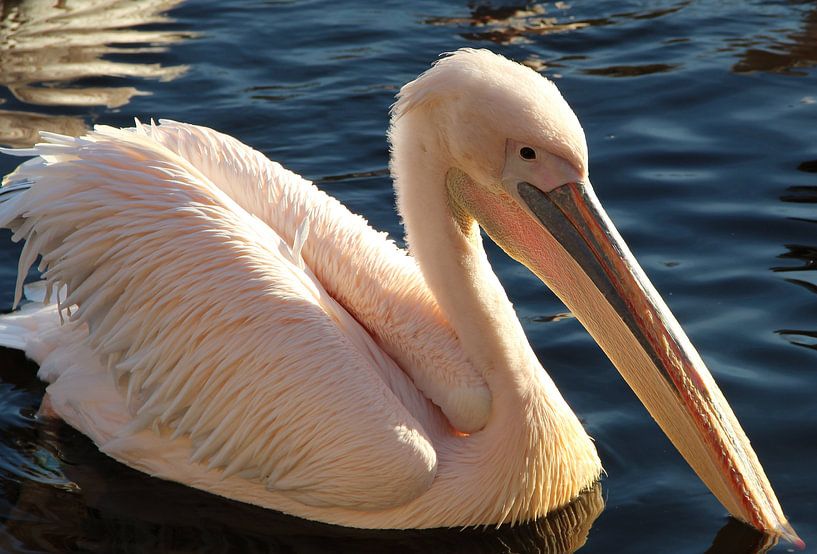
<point>702,123</point>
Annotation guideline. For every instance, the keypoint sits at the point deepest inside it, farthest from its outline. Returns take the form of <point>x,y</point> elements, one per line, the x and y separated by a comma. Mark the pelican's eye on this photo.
<point>527,153</point>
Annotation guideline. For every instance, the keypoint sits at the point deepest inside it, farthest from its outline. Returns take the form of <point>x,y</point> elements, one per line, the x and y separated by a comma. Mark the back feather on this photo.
<point>378,283</point>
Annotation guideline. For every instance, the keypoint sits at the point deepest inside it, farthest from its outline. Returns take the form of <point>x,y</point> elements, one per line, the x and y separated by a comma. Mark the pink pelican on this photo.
<point>221,322</point>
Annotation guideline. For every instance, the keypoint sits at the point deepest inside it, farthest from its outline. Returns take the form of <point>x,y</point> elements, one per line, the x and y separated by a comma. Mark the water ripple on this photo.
<point>46,55</point>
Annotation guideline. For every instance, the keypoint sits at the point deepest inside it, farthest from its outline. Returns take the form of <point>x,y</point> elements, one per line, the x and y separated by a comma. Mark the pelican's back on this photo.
<point>377,282</point>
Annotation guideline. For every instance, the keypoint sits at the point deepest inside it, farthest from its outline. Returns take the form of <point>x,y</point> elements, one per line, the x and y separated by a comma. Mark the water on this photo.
<point>701,119</point>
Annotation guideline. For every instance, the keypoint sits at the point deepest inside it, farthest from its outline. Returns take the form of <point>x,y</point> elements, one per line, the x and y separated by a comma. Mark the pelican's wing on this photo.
<point>377,282</point>
<point>212,331</point>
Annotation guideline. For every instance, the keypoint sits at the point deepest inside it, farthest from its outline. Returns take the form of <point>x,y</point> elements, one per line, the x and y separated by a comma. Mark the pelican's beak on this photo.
<point>585,261</point>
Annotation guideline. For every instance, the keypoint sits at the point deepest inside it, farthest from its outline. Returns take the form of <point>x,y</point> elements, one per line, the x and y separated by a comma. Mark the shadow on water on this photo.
<point>55,54</point>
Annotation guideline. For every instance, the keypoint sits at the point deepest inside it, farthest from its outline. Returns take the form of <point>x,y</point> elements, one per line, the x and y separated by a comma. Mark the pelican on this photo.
<point>222,323</point>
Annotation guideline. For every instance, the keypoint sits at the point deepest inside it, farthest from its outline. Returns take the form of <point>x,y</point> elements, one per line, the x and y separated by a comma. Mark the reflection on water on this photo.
<point>804,255</point>
<point>738,538</point>
<point>790,55</point>
<point>508,24</point>
<point>521,23</point>
<point>808,167</point>
<point>21,128</point>
<point>48,48</point>
<point>631,70</point>
<point>24,460</point>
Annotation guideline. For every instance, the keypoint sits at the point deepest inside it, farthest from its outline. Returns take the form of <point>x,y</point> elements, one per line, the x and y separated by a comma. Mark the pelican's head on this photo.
<point>518,168</point>
<point>487,108</point>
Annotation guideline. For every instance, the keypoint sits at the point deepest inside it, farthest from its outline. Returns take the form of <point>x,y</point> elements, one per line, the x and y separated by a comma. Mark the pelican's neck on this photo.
<point>456,268</point>
<point>533,444</point>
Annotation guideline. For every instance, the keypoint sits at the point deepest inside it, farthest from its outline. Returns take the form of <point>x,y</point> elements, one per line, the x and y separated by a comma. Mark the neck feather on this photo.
<point>453,261</point>
<point>448,248</point>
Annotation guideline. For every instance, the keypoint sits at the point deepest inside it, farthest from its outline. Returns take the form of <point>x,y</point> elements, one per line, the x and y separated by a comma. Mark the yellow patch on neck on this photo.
<point>456,180</point>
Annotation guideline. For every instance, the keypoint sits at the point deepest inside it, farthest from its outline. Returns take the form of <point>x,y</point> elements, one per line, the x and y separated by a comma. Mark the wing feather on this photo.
<point>377,282</point>
<point>212,331</point>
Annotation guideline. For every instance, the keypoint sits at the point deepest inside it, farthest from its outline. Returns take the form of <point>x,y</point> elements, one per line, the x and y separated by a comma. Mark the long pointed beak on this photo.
<point>603,285</point>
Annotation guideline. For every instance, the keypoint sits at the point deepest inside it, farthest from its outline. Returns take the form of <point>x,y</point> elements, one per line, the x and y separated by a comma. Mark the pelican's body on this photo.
<point>230,327</point>
<point>335,379</point>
